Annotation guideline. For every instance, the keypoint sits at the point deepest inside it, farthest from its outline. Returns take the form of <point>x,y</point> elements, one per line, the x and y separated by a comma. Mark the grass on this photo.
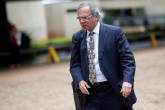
<point>51,42</point>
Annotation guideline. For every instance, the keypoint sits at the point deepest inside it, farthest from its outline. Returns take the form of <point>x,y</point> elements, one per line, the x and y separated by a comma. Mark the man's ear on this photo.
<point>97,15</point>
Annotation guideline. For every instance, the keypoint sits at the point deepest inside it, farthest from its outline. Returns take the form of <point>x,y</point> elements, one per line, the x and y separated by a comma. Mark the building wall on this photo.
<point>155,7</point>
<point>28,16</point>
<point>55,19</point>
<point>61,22</point>
<point>120,4</point>
<point>71,23</point>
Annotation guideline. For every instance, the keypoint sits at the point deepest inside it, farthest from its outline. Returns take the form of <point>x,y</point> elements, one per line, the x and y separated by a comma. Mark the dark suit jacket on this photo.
<point>116,59</point>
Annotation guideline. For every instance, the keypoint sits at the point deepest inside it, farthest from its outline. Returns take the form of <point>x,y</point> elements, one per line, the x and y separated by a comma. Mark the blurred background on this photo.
<point>35,37</point>
<point>41,24</point>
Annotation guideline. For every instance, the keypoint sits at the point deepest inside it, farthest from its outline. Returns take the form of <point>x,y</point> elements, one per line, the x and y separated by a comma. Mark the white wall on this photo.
<point>120,4</point>
<point>61,23</point>
<point>55,19</point>
<point>71,23</point>
<point>28,16</point>
<point>155,7</point>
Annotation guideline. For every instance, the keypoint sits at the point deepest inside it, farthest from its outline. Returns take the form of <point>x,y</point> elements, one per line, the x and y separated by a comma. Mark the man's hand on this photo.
<point>83,85</point>
<point>126,89</point>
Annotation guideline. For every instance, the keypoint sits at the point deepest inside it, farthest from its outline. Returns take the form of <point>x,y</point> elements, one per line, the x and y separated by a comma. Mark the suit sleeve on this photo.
<point>126,57</point>
<point>75,62</point>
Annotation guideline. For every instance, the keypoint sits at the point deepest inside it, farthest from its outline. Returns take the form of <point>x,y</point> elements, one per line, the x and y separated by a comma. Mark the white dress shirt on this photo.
<point>99,75</point>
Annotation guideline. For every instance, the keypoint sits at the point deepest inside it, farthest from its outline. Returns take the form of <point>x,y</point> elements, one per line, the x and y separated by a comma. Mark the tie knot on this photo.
<point>91,33</point>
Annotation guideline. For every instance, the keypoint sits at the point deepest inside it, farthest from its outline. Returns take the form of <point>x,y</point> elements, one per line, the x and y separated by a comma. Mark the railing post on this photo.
<point>52,54</point>
<point>153,40</point>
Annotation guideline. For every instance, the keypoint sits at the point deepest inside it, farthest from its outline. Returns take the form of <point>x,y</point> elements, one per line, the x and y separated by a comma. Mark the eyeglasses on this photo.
<point>84,17</point>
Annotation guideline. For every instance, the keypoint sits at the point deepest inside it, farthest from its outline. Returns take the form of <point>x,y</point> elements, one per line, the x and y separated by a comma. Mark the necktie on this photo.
<point>91,56</point>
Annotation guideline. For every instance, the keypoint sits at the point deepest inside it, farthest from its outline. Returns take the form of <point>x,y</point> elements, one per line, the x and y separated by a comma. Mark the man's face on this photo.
<point>87,21</point>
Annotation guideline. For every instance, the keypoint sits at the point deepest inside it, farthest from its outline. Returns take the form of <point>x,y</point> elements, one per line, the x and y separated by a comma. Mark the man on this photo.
<point>102,63</point>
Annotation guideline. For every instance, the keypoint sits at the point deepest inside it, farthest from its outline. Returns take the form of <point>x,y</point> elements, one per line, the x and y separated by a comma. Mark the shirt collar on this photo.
<point>96,29</point>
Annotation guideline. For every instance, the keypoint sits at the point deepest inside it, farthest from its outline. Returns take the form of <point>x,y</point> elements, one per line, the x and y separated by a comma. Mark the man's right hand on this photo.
<point>83,85</point>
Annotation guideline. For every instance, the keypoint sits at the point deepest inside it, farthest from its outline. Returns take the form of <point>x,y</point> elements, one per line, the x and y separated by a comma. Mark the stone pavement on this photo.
<point>149,80</point>
<point>47,87</point>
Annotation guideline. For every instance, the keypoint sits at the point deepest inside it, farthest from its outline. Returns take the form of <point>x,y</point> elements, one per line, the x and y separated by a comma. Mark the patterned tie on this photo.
<point>91,56</point>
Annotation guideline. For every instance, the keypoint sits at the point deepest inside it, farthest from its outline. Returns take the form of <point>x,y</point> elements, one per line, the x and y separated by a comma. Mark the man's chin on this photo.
<point>85,28</point>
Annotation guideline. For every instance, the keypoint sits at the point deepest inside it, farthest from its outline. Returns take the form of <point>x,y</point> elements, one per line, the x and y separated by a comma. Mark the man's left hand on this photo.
<point>126,89</point>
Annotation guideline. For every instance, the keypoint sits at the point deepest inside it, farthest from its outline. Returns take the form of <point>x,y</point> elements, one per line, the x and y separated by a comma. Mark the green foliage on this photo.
<point>51,42</point>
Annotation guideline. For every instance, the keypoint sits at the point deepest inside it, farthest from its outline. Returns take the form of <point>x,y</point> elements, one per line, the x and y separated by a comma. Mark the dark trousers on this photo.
<point>102,97</point>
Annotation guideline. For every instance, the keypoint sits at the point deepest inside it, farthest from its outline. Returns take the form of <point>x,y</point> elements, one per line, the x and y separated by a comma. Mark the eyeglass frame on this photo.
<point>86,18</point>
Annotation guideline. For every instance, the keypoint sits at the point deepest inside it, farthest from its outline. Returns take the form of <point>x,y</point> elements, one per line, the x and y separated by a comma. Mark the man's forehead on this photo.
<point>84,8</point>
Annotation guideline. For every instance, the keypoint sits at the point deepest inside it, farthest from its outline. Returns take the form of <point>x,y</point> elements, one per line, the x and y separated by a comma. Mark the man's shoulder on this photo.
<point>78,32</point>
<point>78,35</point>
<point>111,27</point>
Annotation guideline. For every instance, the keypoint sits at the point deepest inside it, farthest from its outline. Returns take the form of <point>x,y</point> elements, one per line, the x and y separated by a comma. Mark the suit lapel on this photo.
<point>83,42</point>
<point>102,36</point>
<point>84,46</point>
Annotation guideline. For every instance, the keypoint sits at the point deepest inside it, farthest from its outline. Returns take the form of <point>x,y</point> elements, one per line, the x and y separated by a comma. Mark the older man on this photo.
<point>102,63</point>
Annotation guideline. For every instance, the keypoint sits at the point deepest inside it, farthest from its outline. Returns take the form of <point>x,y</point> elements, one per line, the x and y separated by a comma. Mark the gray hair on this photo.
<point>93,8</point>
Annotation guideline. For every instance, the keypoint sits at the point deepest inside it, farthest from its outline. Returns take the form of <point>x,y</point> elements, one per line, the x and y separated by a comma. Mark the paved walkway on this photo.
<point>47,87</point>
